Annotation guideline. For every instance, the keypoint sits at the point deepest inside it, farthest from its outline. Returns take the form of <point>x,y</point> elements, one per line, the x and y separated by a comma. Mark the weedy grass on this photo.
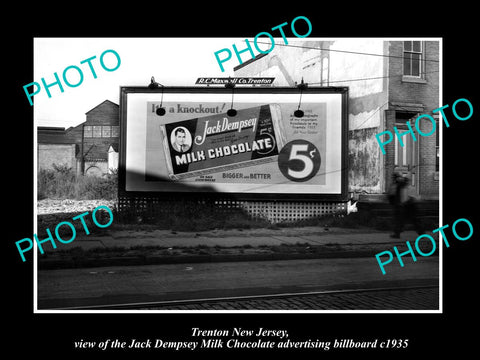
<point>62,183</point>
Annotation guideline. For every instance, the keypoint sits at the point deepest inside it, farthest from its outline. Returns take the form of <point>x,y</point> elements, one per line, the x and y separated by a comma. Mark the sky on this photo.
<point>171,61</point>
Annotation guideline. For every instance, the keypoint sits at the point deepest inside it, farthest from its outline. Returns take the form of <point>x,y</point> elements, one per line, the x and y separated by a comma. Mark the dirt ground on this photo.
<point>52,206</point>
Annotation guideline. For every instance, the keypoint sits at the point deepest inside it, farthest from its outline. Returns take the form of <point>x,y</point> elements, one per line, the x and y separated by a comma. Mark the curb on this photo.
<point>74,263</point>
<point>70,263</point>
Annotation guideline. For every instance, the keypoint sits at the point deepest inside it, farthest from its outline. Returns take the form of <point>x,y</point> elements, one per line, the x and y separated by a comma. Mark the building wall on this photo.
<point>332,66</point>
<point>428,185</point>
<point>96,168</point>
<point>58,146</point>
<point>106,113</point>
<point>56,154</point>
<point>405,91</point>
<point>365,77</point>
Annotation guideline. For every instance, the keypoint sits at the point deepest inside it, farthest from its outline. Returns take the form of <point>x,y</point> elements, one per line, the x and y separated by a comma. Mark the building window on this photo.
<point>106,131</point>
<point>412,58</point>
<point>115,131</point>
<point>100,131</point>
<point>87,131</point>
<point>97,131</point>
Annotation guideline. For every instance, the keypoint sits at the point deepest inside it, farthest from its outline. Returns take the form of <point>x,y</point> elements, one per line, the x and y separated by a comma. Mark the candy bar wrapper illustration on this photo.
<point>220,142</point>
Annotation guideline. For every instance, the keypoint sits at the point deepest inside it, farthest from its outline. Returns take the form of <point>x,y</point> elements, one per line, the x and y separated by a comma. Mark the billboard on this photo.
<point>184,140</point>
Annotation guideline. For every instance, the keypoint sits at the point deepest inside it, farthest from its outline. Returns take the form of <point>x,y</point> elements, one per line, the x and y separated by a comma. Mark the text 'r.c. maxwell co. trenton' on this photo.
<point>225,126</point>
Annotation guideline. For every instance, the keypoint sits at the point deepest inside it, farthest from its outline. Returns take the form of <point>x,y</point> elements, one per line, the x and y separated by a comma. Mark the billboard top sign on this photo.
<point>183,140</point>
<point>235,80</point>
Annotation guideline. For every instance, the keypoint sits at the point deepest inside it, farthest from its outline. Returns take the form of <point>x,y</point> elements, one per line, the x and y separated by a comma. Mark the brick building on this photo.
<point>414,93</point>
<point>90,148</point>
<point>101,134</point>
<point>390,82</point>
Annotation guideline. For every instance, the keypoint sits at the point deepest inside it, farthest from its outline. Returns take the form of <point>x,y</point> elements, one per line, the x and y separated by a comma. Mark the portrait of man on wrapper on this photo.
<point>180,140</point>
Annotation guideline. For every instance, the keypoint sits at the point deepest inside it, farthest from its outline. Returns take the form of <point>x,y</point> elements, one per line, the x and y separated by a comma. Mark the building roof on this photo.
<point>113,147</point>
<point>73,135</point>
<point>98,151</point>
<point>102,104</point>
<point>55,135</point>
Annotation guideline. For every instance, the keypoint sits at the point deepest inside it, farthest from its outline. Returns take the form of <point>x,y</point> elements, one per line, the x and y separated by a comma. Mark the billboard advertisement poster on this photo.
<point>217,143</point>
<point>195,146</point>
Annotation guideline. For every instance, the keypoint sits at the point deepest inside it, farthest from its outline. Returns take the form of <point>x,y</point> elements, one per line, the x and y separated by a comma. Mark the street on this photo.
<point>127,285</point>
<point>416,298</point>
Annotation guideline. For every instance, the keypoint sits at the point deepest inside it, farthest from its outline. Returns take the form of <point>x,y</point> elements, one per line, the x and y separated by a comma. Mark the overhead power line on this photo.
<point>369,78</point>
<point>342,51</point>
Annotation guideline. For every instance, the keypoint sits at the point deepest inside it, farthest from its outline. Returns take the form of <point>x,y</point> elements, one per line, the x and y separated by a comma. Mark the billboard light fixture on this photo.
<point>231,112</point>
<point>230,85</point>
<point>302,86</point>
<point>298,113</point>
<point>155,85</point>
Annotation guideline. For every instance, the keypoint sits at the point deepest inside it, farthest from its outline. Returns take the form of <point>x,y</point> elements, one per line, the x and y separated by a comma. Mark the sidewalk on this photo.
<point>141,247</point>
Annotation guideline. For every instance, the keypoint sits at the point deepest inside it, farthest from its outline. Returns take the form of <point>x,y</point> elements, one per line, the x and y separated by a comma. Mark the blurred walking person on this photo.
<point>404,205</point>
